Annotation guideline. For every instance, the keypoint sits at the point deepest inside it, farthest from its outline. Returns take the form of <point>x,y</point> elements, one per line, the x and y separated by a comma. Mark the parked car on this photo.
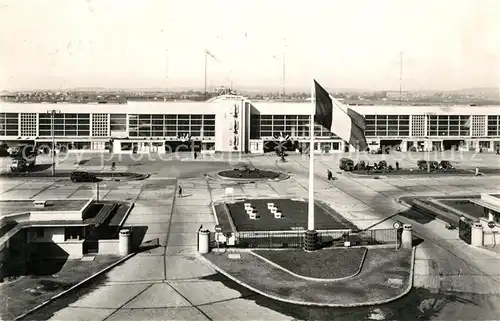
<point>346,164</point>
<point>84,177</point>
<point>382,165</point>
<point>379,151</point>
<point>422,164</point>
<point>446,165</point>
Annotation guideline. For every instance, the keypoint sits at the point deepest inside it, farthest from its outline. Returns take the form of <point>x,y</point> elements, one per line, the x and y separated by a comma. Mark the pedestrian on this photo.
<point>498,151</point>
<point>329,174</point>
<point>113,166</point>
<point>195,155</point>
<point>397,166</point>
<point>180,191</point>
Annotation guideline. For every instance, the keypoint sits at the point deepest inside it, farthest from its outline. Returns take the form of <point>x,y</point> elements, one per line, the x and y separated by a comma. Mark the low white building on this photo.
<point>231,123</point>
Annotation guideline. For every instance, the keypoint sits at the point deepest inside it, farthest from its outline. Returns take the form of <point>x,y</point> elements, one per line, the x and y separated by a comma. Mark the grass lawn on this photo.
<point>20,296</point>
<point>465,206</point>
<point>222,217</point>
<point>323,264</point>
<point>294,216</point>
<point>371,284</point>
<point>260,174</point>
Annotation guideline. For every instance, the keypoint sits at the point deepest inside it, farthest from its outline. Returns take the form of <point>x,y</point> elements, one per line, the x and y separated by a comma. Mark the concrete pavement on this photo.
<point>171,283</point>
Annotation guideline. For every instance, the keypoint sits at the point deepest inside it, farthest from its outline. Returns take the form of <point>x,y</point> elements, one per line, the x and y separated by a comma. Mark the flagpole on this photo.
<point>205,93</point>
<point>310,218</point>
<point>311,235</point>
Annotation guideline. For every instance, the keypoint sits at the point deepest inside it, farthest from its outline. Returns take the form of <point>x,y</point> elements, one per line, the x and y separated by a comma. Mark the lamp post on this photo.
<point>284,68</point>
<point>400,79</point>
<point>52,113</point>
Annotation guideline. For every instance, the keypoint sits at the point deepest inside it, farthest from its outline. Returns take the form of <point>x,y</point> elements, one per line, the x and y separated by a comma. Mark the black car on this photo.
<point>446,165</point>
<point>84,177</point>
<point>346,164</point>
<point>422,164</point>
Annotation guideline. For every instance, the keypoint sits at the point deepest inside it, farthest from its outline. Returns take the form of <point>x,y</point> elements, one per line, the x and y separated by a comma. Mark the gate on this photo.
<point>464,231</point>
<point>91,243</point>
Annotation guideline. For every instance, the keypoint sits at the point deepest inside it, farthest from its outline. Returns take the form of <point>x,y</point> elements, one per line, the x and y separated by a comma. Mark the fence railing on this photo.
<point>326,238</point>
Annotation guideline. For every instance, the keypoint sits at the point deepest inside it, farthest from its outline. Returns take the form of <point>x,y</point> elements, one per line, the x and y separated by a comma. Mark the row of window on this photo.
<point>276,125</point>
<point>194,131</point>
<point>387,125</point>
<point>161,125</point>
<point>494,125</point>
<point>118,117</point>
<point>9,124</point>
<point>158,125</point>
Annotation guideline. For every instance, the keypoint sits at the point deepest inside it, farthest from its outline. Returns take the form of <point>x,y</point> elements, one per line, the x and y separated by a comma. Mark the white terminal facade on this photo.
<point>232,123</point>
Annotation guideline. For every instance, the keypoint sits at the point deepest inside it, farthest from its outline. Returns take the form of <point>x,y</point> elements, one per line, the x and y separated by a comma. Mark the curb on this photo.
<point>281,177</point>
<point>76,286</point>
<point>308,278</point>
<point>131,178</point>
<point>331,305</point>
<point>124,219</point>
<point>485,251</point>
<point>229,217</point>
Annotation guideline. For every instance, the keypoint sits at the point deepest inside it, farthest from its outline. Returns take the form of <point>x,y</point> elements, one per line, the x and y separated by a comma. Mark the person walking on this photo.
<point>329,174</point>
<point>180,191</point>
<point>397,165</point>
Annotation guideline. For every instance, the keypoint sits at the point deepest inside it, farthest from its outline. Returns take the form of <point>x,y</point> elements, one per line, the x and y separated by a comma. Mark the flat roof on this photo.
<point>218,105</point>
<point>20,206</point>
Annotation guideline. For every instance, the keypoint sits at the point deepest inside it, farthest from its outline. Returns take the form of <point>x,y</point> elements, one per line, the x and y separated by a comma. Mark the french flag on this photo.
<point>339,119</point>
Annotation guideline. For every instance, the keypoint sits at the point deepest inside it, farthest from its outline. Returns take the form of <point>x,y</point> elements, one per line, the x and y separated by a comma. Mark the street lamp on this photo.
<point>52,113</point>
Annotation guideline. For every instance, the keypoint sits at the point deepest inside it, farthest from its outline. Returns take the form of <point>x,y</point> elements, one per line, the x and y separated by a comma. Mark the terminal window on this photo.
<point>159,125</point>
<point>72,125</point>
<point>9,124</point>
<point>478,127</point>
<point>448,125</point>
<point>100,125</point>
<point>493,125</point>
<point>118,122</point>
<point>387,125</point>
<point>297,126</point>
<point>418,125</point>
<point>28,124</point>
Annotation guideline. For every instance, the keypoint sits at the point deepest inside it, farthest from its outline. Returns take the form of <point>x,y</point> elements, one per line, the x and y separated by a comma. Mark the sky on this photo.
<point>349,44</point>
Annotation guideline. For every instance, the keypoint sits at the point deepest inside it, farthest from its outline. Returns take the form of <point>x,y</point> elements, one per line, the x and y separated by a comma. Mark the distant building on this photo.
<point>395,95</point>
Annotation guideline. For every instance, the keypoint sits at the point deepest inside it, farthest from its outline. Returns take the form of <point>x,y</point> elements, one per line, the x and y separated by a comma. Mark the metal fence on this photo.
<point>326,238</point>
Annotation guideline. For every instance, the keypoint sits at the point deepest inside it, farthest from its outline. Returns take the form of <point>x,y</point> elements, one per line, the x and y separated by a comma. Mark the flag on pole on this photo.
<point>211,55</point>
<point>339,119</point>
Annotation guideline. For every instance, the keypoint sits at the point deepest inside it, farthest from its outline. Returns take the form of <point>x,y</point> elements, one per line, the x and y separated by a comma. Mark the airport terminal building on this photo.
<point>231,123</point>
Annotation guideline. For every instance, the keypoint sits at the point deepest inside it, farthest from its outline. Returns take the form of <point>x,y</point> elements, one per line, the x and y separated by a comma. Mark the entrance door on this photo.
<point>91,243</point>
<point>436,146</point>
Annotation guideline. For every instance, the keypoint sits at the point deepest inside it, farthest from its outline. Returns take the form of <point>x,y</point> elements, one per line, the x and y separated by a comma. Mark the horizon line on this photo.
<point>243,88</point>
